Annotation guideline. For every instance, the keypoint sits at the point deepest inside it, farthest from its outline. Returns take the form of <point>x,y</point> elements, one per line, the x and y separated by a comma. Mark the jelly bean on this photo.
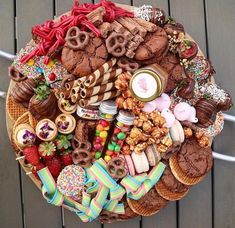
<point>114,138</point>
<point>107,158</point>
<point>116,131</point>
<point>93,153</point>
<point>108,116</point>
<point>97,133</point>
<point>103,143</point>
<point>106,128</point>
<point>103,134</point>
<point>97,146</point>
<point>98,140</point>
<point>117,148</point>
<point>111,147</point>
<point>104,123</point>
<point>99,127</point>
<point>121,135</point>
<point>120,124</point>
<point>109,152</point>
<point>31,62</point>
<point>97,154</point>
<point>120,142</point>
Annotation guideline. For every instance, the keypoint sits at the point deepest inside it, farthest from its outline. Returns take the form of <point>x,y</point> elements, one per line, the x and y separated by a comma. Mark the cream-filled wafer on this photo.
<point>97,90</point>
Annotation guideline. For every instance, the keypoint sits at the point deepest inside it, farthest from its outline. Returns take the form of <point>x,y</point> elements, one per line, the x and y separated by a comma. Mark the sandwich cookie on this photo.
<point>153,155</point>
<point>140,162</point>
<point>177,132</point>
<point>129,164</point>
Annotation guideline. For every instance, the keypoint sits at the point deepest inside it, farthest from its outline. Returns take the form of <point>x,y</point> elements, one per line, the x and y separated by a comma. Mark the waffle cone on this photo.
<point>180,175</point>
<point>139,209</point>
<point>33,121</point>
<point>14,109</point>
<point>167,194</point>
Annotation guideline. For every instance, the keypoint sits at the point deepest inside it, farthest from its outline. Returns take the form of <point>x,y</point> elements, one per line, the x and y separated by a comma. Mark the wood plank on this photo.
<point>220,20</point>
<point>166,218</point>
<point>196,209</point>
<point>37,212</point>
<point>10,198</point>
<point>71,220</point>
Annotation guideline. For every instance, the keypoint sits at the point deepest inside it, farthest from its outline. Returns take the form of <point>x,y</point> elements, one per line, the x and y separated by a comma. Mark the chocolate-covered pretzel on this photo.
<point>81,144</point>
<point>81,157</point>
<point>116,168</point>
<point>128,64</point>
<point>116,44</point>
<point>76,39</point>
<point>15,75</point>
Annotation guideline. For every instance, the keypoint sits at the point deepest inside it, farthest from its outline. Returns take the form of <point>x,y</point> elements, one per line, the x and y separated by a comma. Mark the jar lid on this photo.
<point>125,117</point>
<point>145,85</point>
<point>108,107</point>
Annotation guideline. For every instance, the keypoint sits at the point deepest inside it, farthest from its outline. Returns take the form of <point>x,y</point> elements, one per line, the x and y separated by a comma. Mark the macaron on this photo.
<point>140,162</point>
<point>177,132</point>
<point>153,155</point>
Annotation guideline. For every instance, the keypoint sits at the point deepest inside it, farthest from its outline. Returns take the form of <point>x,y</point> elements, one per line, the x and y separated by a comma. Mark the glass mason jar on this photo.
<point>107,111</point>
<point>123,123</point>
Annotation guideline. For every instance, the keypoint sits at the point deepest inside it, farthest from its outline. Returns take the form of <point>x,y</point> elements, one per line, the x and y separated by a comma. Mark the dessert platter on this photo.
<point>112,109</point>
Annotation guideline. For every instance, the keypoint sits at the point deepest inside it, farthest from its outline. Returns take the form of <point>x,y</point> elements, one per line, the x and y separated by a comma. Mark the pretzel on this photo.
<point>127,64</point>
<point>81,157</point>
<point>116,44</point>
<point>76,39</point>
<point>108,217</point>
<point>81,144</point>
<point>116,168</point>
<point>15,75</point>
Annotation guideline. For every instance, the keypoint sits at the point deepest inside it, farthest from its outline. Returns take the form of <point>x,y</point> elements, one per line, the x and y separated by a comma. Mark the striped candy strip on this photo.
<point>102,176</point>
<point>136,187</point>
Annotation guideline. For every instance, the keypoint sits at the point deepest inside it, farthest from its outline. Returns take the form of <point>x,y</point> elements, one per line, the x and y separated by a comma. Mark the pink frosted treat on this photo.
<point>163,102</point>
<point>183,111</point>
<point>169,117</point>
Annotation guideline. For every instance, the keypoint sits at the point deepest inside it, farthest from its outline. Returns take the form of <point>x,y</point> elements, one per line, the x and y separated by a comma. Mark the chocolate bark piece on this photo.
<point>141,30</point>
<point>172,28</point>
<point>84,62</point>
<point>150,27</point>
<point>171,183</point>
<point>154,46</point>
<point>194,160</point>
<point>128,25</point>
<point>105,28</point>
<point>96,16</point>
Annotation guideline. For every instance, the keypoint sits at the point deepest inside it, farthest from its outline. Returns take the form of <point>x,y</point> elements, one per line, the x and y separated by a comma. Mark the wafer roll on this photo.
<point>100,97</point>
<point>105,77</point>
<point>84,93</point>
<point>92,79</point>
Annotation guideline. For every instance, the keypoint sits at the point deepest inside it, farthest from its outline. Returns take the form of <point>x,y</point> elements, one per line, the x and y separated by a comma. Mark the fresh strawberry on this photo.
<point>187,49</point>
<point>62,142</point>
<point>47,150</point>
<point>36,169</point>
<point>66,158</point>
<point>54,165</point>
<point>31,155</point>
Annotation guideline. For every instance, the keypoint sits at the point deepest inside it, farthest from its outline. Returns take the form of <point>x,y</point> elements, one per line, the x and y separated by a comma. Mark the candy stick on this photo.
<point>105,77</point>
<point>100,97</point>
<point>28,173</point>
<point>91,80</point>
<point>20,158</point>
<point>84,93</point>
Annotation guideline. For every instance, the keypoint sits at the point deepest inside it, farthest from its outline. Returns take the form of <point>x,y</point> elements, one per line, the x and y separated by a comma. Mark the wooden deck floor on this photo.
<point>211,204</point>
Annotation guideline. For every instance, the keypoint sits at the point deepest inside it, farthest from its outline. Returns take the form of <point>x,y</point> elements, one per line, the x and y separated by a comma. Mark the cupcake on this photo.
<point>24,135</point>
<point>169,187</point>
<point>65,123</point>
<point>149,204</point>
<point>191,163</point>
<point>46,130</point>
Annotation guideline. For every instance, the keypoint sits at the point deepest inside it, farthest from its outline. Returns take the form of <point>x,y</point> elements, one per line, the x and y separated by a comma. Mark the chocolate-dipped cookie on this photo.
<point>154,47</point>
<point>149,204</point>
<point>191,163</point>
<point>86,59</point>
<point>169,187</point>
